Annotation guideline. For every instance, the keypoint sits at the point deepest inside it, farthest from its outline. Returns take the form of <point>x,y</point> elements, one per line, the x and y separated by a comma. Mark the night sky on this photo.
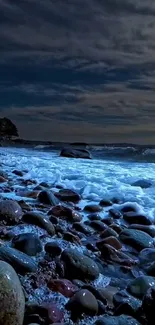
<point>79,70</point>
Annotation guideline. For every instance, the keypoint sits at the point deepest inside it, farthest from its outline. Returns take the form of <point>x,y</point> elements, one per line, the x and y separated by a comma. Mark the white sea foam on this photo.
<point>93,179</point>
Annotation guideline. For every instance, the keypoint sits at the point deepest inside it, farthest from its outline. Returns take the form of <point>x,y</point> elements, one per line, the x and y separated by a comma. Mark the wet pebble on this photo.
<point>139,286</point>
<point>10,212</point>
<point>116,214</point>
<point>12,301</point>
<point>65,213</point>
<point>27,243</point>
<point>39,219</point>
<point>93,208</point>
<point>19,260</point>
<point>108,233</point>
<point>113,241</point>
<point>83,302</point>
<point>136,238</point>
<point>136,218</point>
<point>53,249</point>
<point>47,197</point>
<point>106,203</point>
<point>79,265</point>
<point>68,195</point>
<point>64,286</point>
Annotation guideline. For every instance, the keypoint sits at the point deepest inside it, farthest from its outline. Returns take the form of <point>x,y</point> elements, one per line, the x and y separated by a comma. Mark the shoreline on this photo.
<point>100,257</point>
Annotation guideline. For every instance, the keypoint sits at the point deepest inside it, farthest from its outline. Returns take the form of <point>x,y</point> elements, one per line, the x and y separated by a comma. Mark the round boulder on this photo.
<point>83,301</point>
<point>12,301</point>
<point>10,212</point>
<point>79,265</point>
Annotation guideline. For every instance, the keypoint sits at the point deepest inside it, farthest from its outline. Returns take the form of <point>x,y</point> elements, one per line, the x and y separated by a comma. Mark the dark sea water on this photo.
<point>110,173</point>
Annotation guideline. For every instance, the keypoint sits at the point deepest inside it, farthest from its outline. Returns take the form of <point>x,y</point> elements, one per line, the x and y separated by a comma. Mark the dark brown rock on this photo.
<point>53,249</point>
<point>68,195</point>
<point>63,212</point>
<point>47,197</point>
<point>83,302</point>
<point>93,208</point>
<point>79,265</point>
<point>64,286</point>
<point>27,243</point>
<point>39,219</point>
<point>136,238</point>
<point>148,229</point>
<point>136,218</point>
<point>106,203</point>
<point>10,212</point>
<point>108,232</point>
<point>112,241</point>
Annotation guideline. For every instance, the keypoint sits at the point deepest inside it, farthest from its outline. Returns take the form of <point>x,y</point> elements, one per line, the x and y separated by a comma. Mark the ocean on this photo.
<point>110,173</point>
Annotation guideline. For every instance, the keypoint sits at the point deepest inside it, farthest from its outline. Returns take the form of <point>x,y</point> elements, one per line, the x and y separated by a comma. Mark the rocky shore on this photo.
<point>57,267</point>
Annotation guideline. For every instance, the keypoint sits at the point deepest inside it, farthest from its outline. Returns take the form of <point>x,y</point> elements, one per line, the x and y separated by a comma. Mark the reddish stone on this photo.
<point>64,286</point>
<point>63,212</point>
<point>68,195</point>
<point>55,315</point>
<point>112,241</point>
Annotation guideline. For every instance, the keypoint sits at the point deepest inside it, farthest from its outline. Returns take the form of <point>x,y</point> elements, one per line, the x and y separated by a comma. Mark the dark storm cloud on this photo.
<point>69,63</point>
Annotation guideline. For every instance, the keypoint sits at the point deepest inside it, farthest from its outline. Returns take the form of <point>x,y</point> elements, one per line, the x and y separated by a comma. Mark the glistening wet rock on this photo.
<point>116,214</point>
<point>64,286</point>
<point>108,232</point>
<point>68,195</point>
<point>78,265</point>
<point>65,213</point>
<point>83,301</point>
<point>126,303</point>
<point>21,262</point>
<point>147,256</point>
<point>136,238</point>
<point>93,208</point>
<point>53,249</point>
<point>137,218</point>
<point>75,153</point>
<point>47,197</point>
<point>10,212</point>
<point>113,241</point>
<point>27,243</point>
<point>139,286</point>
<point>150,230</point>
<point>106,203</point>
<point>12,301</point>
<point>39,219</point>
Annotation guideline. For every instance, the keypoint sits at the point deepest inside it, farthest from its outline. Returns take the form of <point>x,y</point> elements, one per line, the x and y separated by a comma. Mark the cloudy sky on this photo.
<point>79,70</point>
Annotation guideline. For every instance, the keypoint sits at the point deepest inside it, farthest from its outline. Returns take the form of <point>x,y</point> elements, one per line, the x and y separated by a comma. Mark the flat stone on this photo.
<point>136,238</point>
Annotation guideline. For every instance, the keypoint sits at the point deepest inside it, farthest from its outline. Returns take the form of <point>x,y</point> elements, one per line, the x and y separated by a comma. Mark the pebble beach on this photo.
<point>76,240</point>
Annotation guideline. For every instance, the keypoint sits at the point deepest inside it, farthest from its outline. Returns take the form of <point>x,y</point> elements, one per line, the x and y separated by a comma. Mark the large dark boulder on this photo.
<point>75,153</point>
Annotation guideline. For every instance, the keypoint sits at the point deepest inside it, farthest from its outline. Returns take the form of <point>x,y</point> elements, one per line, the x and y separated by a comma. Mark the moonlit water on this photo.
<point>94,179</point>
